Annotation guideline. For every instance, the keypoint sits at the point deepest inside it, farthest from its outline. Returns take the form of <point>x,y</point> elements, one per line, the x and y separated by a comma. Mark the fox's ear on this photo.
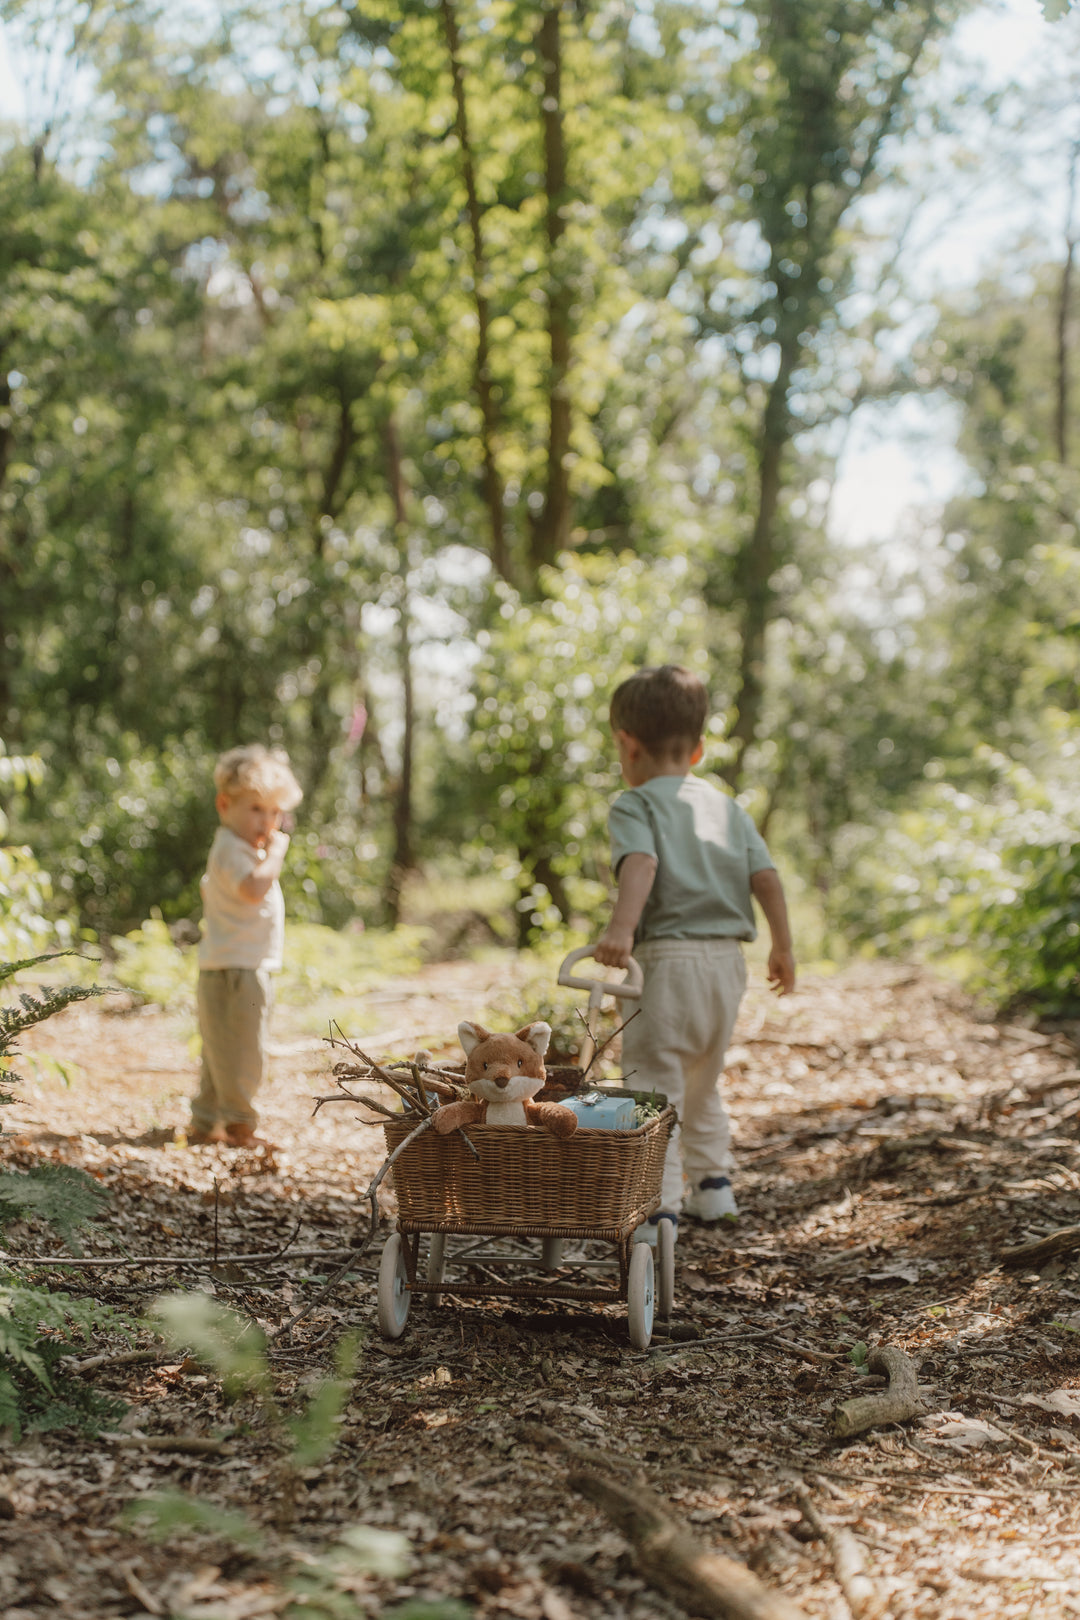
<point>471,1035</point>
<point>537,1036</point>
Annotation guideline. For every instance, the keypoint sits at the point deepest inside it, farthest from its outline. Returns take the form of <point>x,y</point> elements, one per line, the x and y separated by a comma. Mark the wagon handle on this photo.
<point>629,986</point>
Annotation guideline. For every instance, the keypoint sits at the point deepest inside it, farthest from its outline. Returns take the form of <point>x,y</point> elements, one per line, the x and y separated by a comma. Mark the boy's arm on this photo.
<point>768,891</point>
<point>257,885</point>
<point>637,873</point>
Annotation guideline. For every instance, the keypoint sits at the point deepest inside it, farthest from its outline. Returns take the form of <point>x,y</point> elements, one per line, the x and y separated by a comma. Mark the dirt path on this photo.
<point>890,1147</point>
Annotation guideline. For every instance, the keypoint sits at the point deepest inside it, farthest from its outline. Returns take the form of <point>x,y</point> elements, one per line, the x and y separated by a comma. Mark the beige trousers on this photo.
<point>234,1021</point>
<point>676,1045</point>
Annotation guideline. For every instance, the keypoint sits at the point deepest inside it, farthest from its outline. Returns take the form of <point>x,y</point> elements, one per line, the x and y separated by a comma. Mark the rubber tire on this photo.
<point>394,1293</point>
<point>436,1263</point>
<point>640,1296</point>
<point>665,1267</point>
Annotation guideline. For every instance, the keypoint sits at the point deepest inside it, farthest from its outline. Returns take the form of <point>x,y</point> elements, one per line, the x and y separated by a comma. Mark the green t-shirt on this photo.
<point>706,848</point>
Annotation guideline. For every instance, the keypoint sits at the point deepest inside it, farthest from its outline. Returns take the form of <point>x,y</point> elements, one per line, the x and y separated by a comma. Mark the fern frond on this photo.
<point>14,1020</point>
<point>8,970</point>
<point>37,1330</point>
<point>10,1417</point>
<point>60,1194</point>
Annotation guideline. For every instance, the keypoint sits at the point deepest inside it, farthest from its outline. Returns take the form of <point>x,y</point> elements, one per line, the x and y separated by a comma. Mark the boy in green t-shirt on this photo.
<point>689,863</point>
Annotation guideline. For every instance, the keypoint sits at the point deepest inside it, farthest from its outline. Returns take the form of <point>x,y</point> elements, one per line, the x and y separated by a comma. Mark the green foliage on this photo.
<point>31,1010</point>
<point>37,1329</point>
<point>233,1346</point>
<point>315,1432</point>
<point>150,963</point>
<point>543,767</point>
<point>26,890</point>
<point>62,1195</point>
<point>166,1513</point>
<point>320,962</point>
<point>986,882</point>
<point>859,1356</point>
<point>323,961</point>
<point>318,1582</point>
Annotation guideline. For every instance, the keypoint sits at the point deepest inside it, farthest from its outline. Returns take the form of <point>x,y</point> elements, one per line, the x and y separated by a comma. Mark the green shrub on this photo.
<point>987,884</point>
<point>149,963</point>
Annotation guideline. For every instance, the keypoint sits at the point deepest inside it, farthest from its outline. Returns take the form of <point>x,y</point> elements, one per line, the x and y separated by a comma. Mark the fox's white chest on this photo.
<point>505,1113</point>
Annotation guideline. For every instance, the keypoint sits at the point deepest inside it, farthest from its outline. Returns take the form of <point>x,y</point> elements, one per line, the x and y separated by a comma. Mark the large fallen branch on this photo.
<point>700,1581</point>
<point>1036,1253</point>
<point>893,1405</point>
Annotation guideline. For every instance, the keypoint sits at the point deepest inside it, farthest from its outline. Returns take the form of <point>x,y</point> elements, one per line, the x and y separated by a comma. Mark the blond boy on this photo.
<point>243,935</point>
<point>689,863</point>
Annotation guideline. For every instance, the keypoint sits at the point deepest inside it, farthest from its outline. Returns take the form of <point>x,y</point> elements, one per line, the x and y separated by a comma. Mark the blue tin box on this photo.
<point>597,1112</point>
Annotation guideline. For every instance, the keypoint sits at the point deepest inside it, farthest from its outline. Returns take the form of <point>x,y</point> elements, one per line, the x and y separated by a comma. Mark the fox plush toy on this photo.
<point>504,1073</point>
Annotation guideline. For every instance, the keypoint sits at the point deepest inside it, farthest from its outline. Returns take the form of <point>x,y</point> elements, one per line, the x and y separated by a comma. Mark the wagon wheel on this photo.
<point>640,1296</point>
<point>436,1262</point>
<point>394,1295</point>
<point>665,1266</point>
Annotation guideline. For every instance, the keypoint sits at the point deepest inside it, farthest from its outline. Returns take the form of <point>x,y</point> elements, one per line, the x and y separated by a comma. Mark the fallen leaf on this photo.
<point>1066,1402</point>
<point>966,1434</point>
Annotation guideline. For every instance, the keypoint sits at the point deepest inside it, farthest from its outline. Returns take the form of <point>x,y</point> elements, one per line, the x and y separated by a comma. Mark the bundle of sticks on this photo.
<point>421,1084</point>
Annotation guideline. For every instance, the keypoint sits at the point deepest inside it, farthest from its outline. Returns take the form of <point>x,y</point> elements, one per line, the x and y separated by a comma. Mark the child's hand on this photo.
<point>781,971</point>
<point>615,946</point>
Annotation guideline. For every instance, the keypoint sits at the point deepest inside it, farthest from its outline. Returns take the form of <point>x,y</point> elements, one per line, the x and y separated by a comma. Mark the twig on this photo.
<point>201,1263</point>
<point>863,1598</point>
<point>285,1330</point>
<point>217,1200</point>
<point>194,1445</point>
<point>363,1102</point>
<point>708,1339</point>
<point>140,1592</point>
<point>125,1358</point>
<point>600,1050</point>
<point>402,1088</point>
<point>893,1405</point>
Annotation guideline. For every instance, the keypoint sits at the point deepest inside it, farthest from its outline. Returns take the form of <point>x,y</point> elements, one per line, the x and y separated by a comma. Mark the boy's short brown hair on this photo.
<point>663,707</point>
<point>255,769</point>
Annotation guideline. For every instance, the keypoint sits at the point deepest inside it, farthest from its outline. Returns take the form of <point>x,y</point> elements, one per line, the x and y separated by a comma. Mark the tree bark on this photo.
<point>551,528</point>
<point>489,416</point>
<point>1061,403</point>
<point>401,861</point>
<point>757,562</point>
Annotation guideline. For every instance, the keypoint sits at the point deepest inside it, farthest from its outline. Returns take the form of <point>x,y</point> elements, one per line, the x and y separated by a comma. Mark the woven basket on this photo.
<point>524,1177</point>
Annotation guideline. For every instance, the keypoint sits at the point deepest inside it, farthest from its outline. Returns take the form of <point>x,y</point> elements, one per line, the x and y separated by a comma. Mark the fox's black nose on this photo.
<point>502,1081</point>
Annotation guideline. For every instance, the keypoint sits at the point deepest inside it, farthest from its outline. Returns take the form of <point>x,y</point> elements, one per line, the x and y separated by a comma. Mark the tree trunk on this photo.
<point>757,561</point>
<point>402,857</point>
<point>489,416</point>
<point>1061,408</point>
<point>551,528</point>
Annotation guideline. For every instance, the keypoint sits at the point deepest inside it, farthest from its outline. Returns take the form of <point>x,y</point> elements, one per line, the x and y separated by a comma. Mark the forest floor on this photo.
<point>891,1145</point>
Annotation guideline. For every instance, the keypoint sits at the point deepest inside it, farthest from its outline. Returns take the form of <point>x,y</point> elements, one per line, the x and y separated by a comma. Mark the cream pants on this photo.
<point>676,1045</point>
<point>234,1021</point>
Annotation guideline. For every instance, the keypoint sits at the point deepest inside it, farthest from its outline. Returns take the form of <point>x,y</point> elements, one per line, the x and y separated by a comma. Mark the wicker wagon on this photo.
<point>521,1185</point>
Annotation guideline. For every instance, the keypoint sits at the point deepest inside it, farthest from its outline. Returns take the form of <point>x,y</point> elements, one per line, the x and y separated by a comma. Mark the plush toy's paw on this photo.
<point>454,1115</point>
<point>553,1117</point>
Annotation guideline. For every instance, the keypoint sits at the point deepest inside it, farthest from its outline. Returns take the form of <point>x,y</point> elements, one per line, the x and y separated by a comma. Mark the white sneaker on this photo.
<point>711,1201</point>
<point>646,1232</point>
